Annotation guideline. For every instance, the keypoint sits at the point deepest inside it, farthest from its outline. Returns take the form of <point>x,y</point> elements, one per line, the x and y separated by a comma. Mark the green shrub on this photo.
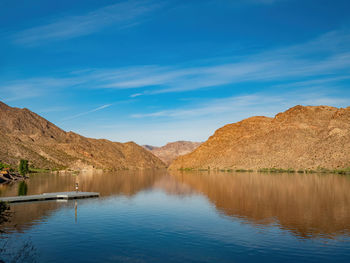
<point>263,170</point>
<point>23,167</point>
<point>275,170</point>
<point>323,170</point>
<point>3,165</point>
<point>186,169</point>
<point>290,170</point>
<point>345,171</point>
<point>310,171</point>
<point>39,170</point>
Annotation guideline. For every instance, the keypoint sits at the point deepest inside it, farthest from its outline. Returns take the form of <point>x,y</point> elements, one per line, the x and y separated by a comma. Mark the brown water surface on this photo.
<point>186,216</point>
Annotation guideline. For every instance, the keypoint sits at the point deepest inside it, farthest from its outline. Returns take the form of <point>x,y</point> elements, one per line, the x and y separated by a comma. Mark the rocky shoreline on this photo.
<point>8,177</point>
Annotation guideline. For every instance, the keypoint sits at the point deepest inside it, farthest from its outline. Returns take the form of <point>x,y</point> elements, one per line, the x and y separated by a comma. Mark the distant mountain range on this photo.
<point>171,151</point>
<point>26,135</point>
<point>310,137</point>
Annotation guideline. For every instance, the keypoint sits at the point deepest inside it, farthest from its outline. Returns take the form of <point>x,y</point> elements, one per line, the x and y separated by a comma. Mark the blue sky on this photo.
<point>159,71</point>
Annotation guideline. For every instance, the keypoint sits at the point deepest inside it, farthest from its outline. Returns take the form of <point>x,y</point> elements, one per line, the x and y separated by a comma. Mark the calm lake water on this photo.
<point>154,216</point>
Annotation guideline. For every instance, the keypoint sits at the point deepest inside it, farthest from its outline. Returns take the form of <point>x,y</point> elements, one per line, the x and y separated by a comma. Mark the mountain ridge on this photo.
<point>26,135</point>
<point>172,150</point>
<point>303,137</point>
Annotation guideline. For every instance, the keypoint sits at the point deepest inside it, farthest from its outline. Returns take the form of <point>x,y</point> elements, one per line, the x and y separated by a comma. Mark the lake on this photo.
<point>157,216</point>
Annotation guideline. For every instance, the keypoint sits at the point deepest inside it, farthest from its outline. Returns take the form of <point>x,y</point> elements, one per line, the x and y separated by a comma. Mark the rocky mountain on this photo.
<point>149,147</point>
<point>300,138</point>
<point>26,135</point>
<point>171,151</point>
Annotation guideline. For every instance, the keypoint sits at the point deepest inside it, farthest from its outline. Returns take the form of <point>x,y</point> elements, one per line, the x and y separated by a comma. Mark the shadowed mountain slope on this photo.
<point>26,135</point>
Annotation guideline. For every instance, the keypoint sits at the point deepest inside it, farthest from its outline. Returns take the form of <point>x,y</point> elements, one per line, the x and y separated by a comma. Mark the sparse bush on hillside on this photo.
<point>186,169</point>
<point>3,165</point>
<point>40,170</point>
<point>310,171</point>
<point>345,171</point>
<point>263,170</point>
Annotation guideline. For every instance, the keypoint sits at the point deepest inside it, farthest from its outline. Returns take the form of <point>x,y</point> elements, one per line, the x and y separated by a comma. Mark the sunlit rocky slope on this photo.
<point>24,134</point>
<point>301,138</point>
<point>172,150</point>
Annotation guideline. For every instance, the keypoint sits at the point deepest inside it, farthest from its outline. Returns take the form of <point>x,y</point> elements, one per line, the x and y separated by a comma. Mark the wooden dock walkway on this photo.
<point>49,196</point>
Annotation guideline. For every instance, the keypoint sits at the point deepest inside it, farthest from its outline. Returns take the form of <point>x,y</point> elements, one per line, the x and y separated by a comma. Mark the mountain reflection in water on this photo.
<point>308,206</point>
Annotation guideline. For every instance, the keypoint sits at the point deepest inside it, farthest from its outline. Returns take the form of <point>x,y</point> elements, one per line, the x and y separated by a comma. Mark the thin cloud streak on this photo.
<point>87,112</point>
<point>122,15</point>
<point>299,61</point>
<point>247,103</point>
<point>293,64</point>
<point>198,122</point>
<point>53,109</point>
<point>35,87</point>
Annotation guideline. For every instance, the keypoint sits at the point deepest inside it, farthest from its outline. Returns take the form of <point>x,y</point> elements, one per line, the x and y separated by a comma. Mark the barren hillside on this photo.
<point>171,151</point>
<point>300,138</point>
<point>24,134</point>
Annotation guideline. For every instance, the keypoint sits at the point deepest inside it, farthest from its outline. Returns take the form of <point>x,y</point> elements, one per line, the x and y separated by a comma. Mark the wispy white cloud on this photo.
<point>258,102</point>
<point>124,14</point>
<point>212,107</point>
<point>87,112</point>
<point>324,61</point>
<point>313,82</point>
<point>136,95</point>
<point>33,87</point>
<point>53,109</point>
<point>327,55</point>
<point>197,121</point>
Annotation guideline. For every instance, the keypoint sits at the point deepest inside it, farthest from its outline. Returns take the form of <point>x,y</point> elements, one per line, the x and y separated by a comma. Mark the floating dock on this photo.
<point>49,196</point>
